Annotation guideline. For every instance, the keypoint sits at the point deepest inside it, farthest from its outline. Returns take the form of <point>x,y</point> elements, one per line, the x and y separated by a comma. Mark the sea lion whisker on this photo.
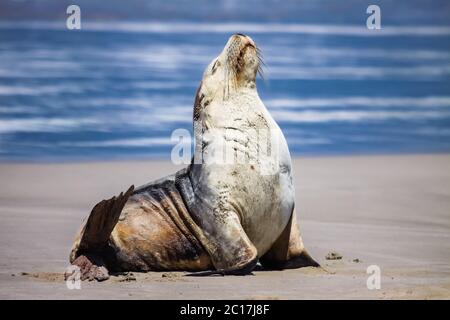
<point>261,73</point>
<point>261,61</point>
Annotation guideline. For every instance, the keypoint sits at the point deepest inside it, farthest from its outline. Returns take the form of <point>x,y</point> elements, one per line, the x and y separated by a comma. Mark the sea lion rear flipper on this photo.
<point>101,222</point>
<point>288,252</point>
<point>86,253</point>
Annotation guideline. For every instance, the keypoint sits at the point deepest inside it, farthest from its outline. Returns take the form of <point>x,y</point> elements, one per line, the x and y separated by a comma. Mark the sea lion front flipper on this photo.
<point>230,250</point>
<point>288,252</point>
<point>219,231</point>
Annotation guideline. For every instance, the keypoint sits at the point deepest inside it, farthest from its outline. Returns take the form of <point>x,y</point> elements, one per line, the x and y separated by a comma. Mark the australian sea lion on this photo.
<point>214,215</point>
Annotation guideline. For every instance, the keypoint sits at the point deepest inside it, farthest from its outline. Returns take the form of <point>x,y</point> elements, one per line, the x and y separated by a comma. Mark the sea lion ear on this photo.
<point>198,102</point>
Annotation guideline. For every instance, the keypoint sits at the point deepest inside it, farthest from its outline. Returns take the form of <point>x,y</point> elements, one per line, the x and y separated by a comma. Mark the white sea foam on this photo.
<point>361,72</point>
<point>254,28</point>
<point>19,109</point>
<point>353,116</point>
<point>36,90</point>
<point>165,54</point>
<point>45,124</point>
<point>136,142</point>
<point>160,85</point>
<point>309,54</point>
<point>360,101</point>
<point>305,141</point>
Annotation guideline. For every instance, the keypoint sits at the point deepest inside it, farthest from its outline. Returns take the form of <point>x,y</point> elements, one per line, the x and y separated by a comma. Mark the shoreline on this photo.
<point>166,158</point>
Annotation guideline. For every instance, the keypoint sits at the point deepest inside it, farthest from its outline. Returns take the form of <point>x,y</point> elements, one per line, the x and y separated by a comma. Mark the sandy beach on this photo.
<point>389,211</point>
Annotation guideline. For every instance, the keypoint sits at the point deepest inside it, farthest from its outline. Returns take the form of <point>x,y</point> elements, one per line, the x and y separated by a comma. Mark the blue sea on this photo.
<point>118,90</point>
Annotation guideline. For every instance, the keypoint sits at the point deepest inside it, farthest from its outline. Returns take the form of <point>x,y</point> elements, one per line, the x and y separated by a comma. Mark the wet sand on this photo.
<point>389,211</point>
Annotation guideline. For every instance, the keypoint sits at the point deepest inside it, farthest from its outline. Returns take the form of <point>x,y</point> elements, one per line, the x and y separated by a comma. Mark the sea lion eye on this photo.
<point>215,65</point>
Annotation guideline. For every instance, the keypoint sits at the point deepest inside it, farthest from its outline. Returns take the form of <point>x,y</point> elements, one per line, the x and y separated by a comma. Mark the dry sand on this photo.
<point>390,211</point>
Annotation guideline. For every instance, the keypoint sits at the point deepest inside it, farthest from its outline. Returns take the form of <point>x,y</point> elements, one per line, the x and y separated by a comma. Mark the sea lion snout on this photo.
<point>243,58</point>
<point>237,46</point>
<point>244,38</point>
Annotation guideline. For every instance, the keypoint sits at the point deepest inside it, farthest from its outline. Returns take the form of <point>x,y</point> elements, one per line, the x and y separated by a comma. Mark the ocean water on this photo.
<point>118,90</point>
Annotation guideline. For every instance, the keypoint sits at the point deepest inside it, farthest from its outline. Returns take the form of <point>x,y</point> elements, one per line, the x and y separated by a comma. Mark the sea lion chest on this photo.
<point>247,167</point>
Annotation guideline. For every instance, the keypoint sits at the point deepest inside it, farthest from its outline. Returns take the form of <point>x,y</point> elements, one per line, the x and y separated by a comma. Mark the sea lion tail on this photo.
<point>101,222</point>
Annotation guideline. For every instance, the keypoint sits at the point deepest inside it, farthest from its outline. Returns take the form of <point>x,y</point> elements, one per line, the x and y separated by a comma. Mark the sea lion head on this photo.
<point>234,69</point>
